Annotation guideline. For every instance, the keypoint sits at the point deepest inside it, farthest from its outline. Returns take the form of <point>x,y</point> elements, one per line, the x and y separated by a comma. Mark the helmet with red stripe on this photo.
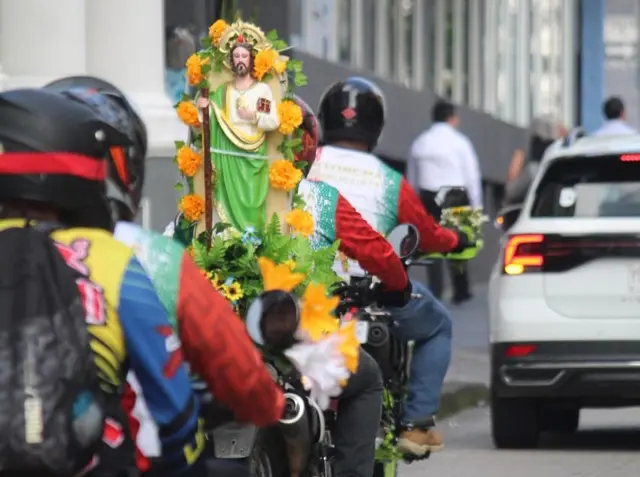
<point>127,165</point>
<point>53,154</point>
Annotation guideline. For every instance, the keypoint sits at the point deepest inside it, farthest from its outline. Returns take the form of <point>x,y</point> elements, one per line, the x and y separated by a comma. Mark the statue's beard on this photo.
<point>241,69</point>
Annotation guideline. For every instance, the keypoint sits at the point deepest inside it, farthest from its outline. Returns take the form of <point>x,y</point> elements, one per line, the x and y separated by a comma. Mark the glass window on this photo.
<point>344,31</point>
<point>605,186</point>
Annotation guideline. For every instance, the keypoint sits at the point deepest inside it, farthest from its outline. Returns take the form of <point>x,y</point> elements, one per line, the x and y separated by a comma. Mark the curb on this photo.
<point>457,397</point>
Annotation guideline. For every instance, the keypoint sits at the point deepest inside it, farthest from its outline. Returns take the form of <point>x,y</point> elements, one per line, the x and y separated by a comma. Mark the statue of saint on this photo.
<point>243,111</point>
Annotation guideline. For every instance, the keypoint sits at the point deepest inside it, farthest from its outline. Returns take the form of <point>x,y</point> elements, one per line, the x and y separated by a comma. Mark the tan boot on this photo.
<point>420,441</point>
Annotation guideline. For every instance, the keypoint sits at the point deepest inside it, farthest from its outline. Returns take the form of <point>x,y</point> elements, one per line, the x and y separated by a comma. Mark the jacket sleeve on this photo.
<point>219,349</point>
<point>433,237</point>
<point>155,357</point>
<point>359,241</point>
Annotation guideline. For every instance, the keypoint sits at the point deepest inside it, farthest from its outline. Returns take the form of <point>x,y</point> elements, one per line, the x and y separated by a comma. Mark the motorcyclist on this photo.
<point>52,169</point>
<point>351,116</point>
<point>215,342</point>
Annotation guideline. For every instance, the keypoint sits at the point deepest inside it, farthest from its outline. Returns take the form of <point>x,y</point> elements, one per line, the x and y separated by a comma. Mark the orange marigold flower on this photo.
<point>188,113</point>
<point>301,222</point>
<point>194,69</point>
<point>290,115</point>
<point>284,175</point>
<point>216,31</point>
<point>264,62</point>
<point>189,161</point>
<point>192,207</point>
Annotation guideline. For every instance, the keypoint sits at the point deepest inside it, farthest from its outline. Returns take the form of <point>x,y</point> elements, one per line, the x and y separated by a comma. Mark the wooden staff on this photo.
<point>208,172</point>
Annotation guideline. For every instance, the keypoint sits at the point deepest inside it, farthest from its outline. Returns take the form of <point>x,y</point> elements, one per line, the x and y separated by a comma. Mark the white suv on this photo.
<point>564,295</point>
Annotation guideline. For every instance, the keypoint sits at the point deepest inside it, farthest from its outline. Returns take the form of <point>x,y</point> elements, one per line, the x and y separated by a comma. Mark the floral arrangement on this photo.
<point>284,174</point>
<point>236,264</point>
<point>469,218</point>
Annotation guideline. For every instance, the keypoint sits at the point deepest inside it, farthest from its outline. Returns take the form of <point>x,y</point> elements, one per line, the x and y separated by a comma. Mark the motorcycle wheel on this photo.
<point>385,469</point>
<point>269,455</point>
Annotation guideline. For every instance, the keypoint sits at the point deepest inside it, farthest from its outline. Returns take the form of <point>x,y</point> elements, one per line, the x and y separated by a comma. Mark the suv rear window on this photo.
<point>589,187</point>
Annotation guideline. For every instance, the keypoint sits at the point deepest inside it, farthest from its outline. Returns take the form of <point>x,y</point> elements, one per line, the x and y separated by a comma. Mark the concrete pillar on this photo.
<point>40,41</point>
<point>125,45</point>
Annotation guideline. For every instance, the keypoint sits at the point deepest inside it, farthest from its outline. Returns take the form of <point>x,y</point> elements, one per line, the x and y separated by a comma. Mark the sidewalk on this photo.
<point>467,381</point>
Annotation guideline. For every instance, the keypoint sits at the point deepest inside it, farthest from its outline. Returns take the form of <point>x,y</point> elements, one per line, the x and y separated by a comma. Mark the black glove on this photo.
<point>394,298</point>
<point>464,242</point>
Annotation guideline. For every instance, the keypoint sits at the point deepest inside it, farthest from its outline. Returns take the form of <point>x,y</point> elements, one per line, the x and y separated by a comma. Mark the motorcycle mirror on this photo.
<point>449,196</point>
<point>272,319</point>
<point>404,239</point>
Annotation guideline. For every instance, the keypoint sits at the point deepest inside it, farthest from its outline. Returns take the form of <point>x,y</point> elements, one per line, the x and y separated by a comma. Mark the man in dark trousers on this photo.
<point>443,156</point>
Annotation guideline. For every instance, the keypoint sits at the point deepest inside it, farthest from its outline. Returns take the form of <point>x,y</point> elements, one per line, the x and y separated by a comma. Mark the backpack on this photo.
<point>51,405</point>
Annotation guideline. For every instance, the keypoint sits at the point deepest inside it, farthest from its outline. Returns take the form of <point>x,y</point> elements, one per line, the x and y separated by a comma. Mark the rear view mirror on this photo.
<point>272,319</point>
<point>507,216</point>
<point>404,239</point>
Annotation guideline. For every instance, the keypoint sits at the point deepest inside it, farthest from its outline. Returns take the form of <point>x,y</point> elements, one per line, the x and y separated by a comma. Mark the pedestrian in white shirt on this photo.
<point>615,124</point>
<point>443,156</point>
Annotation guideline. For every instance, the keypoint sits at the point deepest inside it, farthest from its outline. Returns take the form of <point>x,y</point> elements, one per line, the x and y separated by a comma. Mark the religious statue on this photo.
<point>243,112</point>
<point>243,122</point>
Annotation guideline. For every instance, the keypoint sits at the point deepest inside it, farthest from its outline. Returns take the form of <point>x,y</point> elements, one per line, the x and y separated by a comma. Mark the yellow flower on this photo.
<point>316,317</point>
<point>215,281</point>
<point>301,221</point>
<point>291,264</point>
<point>350,346</point>
<point>264,62</point>
<point>281,65</point>
<point>192,207</point>
<point>278,277</point>
<point>194,69</point>
<point>188,113</point>
<point>284,175</point>
<point>216,31</point>
<point>232,292</point>
<point>290,115</point>
<point>189,161</point>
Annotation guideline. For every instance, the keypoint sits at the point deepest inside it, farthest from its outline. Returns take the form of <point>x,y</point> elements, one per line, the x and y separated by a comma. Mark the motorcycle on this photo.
<point>393,355</point>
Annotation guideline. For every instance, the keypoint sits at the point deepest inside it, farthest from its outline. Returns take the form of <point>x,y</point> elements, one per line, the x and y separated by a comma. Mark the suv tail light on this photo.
<point>523,253</point>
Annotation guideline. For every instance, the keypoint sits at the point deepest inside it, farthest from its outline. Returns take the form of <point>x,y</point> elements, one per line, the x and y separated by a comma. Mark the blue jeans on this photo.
<point>426,322</point>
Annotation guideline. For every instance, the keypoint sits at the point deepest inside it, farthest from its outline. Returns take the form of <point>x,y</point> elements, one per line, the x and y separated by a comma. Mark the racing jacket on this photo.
<point>129,331</point>
<point>215,342</point>
<point>381,195</point>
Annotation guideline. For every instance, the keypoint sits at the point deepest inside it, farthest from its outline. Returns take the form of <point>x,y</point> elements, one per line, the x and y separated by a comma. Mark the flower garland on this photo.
<point>285,173</point>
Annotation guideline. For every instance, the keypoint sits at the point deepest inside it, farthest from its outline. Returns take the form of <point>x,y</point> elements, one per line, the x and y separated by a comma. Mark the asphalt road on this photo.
<point>607,445</point>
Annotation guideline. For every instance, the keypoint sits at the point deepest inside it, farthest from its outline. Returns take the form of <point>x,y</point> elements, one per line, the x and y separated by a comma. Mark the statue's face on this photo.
<point>241,60</point>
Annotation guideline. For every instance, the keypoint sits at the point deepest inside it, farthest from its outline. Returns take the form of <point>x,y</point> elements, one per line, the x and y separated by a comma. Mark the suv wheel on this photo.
<point>514,423</point>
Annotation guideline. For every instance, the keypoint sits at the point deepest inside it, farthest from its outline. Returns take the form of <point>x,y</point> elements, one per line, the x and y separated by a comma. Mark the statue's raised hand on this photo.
<point>247,114</point>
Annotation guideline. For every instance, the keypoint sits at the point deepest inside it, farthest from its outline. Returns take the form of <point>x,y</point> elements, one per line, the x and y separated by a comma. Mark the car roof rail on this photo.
<point>573,135</point>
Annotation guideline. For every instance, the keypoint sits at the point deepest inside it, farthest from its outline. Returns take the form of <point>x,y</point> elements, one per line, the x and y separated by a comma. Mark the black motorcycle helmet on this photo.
<point>352,110</point>
<point>127,166</point>
<point>53,153</point>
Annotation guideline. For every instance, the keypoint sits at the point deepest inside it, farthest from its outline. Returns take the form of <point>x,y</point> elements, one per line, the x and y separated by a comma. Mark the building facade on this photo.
<point>503,62</point>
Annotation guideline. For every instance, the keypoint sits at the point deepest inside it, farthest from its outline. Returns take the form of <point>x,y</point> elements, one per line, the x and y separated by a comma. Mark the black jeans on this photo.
<point>359,413</point>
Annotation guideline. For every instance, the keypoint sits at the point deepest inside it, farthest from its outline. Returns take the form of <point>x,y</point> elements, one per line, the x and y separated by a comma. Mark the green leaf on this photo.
<point>293,143</point>
<point>279,44</point>
<point>288,155</point>
<point>186,97</point>
<point>206,68</point>
<point>205,42</point>
<point>178,144</point>
<point>178,186</point>
<point>295,65</point>
<point>297,202</point>
<point>220,227</point>
<point>272,35</point>
<point>300,79</point>
<point>301,164</point>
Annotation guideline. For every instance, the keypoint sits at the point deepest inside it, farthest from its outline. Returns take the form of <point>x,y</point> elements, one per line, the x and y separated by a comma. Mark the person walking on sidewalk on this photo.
<point>443,156</point>
<point>616,124</point>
